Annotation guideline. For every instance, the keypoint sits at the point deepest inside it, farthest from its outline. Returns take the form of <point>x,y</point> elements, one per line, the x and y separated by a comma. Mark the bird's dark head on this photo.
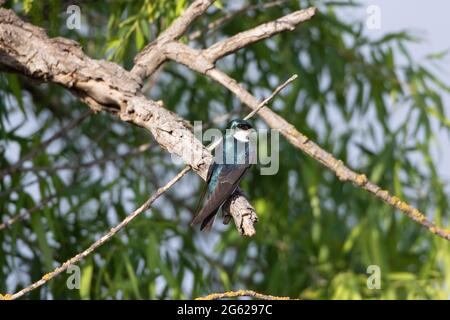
<point>239,124</point>
<point>241,129</point>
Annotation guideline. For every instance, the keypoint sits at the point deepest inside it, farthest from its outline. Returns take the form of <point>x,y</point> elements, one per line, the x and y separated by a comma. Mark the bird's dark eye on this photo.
<point>243,126</point>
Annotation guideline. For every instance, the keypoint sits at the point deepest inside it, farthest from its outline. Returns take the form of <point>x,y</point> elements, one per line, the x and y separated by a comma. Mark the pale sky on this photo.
<point>430,21</point>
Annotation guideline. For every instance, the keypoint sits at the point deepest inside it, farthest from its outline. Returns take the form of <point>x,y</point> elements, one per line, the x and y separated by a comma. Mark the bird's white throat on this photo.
<point>242,135</point>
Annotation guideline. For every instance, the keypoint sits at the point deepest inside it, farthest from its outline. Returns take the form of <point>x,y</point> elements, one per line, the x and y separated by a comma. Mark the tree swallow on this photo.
<point>226,172</point>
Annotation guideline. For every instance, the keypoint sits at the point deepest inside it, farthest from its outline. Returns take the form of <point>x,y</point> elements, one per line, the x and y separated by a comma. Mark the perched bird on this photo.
<point>226,172</point>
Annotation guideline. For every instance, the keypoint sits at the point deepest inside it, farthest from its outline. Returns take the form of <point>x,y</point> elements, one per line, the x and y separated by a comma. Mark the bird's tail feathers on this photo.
<point>208,222</point>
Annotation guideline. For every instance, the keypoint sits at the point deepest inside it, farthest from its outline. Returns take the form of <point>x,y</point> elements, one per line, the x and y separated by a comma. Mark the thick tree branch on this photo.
<point>151,57</point>
<point>106,86</point>
<point>203,61</point>
<point>103,86</point>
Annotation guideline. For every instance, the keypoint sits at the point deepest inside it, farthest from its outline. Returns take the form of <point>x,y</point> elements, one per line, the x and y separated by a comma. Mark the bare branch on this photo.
<point>106,86</point>
<point>302,142</point>
<point>247,220</point>
<point>269,98</point>
<point>19,187</point>
<point>75,166</point>
<point>49,276</point>
<point>241,293</point>
<point>27,212</point>
<point>262,104</point>
<point>52,170</point>
<point>102,85</point>
<point>180,25</point>
<point>151,57</point>
<point>18,165</point>
<point>213,26</point>
<point>198,61</point>
<point>261,32</point>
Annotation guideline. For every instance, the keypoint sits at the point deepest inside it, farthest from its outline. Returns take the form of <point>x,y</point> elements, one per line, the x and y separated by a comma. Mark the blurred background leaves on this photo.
<point>366,101</point>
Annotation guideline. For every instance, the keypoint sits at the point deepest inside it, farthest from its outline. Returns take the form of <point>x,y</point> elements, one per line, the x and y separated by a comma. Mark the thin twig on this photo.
<point>68,166</point>
<point>10,221</point>
<point>72,124</point>
<point>262,104</point>
<point>111,86</point>
<point>241,293</point>
<point>250,229</point>
<point>19,187</point>
<point>226,116</point>
<point>246,222</point>
<point>213,26</point>
<point>229,45</point>
<point>49,276</point>
<point>22,60</point>
<point>203,61</point>
<point>22,215</point>
<point>267,100</point>
<point>144,148</point>
<point>343,172</point>
<point>152,53</point>
<point>138,150</point>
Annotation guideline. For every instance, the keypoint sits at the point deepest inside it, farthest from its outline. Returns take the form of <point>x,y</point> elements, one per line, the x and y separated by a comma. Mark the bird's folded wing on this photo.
<point>205,187</point>
<point>228,181</point>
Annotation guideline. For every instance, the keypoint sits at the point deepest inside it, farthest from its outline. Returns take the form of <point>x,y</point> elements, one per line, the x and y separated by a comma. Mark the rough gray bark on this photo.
<point>103,86</point>
<point>108,87</point>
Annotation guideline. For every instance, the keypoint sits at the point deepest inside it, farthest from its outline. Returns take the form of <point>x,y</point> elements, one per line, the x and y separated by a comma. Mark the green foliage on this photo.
<point>140,21</point>
<point>368,102</point>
